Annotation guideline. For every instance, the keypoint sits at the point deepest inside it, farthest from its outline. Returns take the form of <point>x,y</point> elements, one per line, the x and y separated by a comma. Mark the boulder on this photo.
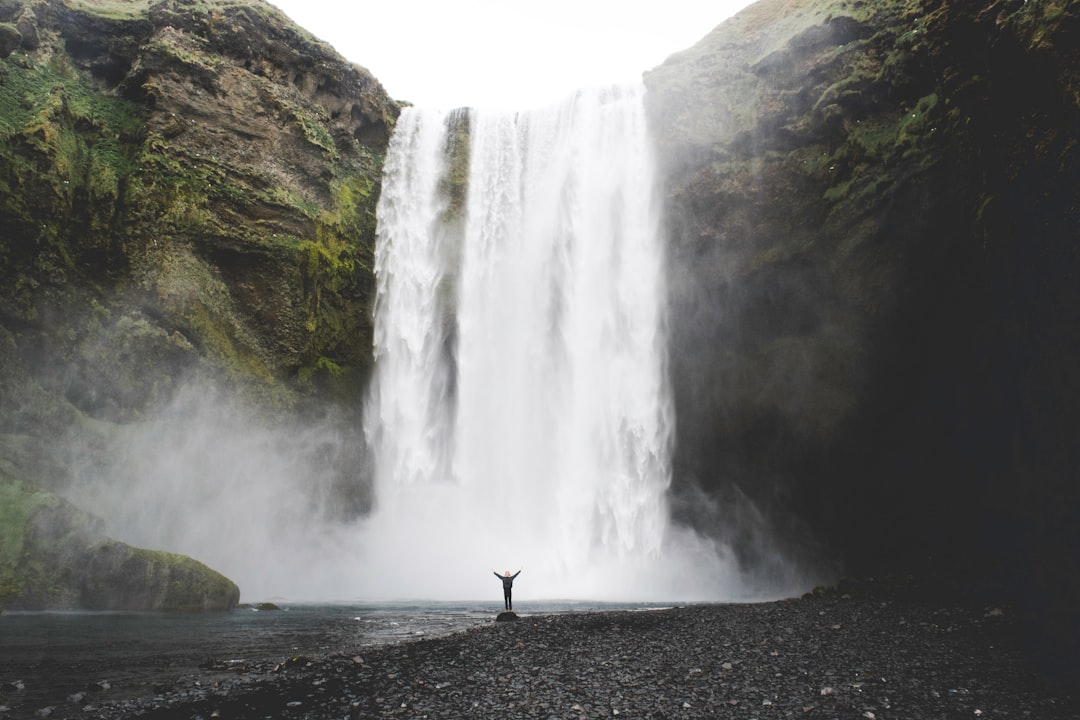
<point>27,27</point>
<point>57,557</point>
<point>121,577</point>
<point>10,39</point>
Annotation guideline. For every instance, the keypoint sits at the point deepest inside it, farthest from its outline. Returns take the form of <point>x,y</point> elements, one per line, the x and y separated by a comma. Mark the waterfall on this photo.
<point>520,413</point>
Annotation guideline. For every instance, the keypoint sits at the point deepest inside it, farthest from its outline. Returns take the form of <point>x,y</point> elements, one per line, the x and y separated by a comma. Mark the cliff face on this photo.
<point>187,188</point>
<point>183,184</point>
<point>873,211</point>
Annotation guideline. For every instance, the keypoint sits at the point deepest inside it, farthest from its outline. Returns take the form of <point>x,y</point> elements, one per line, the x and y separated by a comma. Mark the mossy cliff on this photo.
<point>187,189</point>
<point>185,184</point>
<point>873,212</point>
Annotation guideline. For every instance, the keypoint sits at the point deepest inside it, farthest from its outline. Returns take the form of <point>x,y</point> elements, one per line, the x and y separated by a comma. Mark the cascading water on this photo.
<point>519,413</point>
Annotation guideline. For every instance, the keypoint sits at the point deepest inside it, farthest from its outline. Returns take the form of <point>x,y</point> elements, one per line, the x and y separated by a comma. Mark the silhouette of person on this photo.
<point>508,584</point>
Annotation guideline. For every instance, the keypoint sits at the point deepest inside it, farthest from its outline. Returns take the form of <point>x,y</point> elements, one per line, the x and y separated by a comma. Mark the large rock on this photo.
<point>118,577</point>
<point>873,268</point>
<point>57,557</point>
<point>10,39</point>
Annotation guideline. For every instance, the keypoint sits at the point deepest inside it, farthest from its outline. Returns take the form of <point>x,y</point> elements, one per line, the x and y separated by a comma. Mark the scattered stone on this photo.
<point>656,664</point>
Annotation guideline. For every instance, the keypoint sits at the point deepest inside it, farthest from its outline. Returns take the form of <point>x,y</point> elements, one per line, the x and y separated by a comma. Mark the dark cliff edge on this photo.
<point>873,212</point>
<point>187,191</point>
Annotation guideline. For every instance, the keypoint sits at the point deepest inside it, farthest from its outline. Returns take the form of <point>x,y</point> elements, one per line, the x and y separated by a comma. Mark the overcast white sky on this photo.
<point>505,54</point>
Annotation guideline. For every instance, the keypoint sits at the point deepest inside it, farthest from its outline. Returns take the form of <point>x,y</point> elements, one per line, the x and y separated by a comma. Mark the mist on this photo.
<point>520,413</point>
<point>277,508</point>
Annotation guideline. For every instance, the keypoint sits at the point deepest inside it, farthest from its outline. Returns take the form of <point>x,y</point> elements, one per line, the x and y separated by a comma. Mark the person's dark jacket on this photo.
<point>508,582</point>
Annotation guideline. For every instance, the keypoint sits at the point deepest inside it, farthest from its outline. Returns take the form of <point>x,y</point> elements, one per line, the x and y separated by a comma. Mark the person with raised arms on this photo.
<point>508,584</point>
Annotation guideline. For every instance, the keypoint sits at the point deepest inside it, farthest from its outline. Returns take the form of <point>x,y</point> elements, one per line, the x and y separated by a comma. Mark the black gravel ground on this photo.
<point>862,652</point>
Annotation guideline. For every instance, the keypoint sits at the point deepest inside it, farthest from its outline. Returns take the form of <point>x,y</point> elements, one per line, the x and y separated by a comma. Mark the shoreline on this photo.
<point>865,652</point>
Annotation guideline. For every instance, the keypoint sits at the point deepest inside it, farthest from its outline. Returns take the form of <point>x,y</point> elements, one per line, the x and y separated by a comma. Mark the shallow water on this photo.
<point>56,655</point>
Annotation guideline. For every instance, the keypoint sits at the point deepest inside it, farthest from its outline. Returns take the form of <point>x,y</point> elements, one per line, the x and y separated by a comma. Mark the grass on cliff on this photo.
<point>111,9</point>
<point>92,191</point>
<point>138,9</point>
<point>31,91</point>
<point>52,119</point>
<point>65,152</point>
<point>17,507</point>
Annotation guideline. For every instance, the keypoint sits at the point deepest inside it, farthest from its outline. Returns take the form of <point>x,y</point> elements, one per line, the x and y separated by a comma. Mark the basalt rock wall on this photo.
<point>183,186</point>
<point>873,212</point>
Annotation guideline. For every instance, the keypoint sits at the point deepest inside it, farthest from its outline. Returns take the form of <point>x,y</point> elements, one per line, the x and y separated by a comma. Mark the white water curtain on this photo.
<point>524,418</point>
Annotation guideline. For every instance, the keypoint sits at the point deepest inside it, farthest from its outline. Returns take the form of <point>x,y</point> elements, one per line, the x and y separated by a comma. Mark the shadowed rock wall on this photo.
<point>873,213</point>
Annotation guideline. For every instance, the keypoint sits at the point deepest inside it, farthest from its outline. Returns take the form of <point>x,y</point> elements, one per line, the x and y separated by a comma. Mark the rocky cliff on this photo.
<point>187,189</point>
<point>198,180</point>
<point>873,212</point>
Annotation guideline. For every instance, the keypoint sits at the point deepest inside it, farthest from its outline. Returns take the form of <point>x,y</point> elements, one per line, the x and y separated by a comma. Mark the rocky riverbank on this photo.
<point>863,652</point>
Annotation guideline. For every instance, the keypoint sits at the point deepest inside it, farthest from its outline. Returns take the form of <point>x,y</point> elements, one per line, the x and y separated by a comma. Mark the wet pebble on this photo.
<point>769,661</point>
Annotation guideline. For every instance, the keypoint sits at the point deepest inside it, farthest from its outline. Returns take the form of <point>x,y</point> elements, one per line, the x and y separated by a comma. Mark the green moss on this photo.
<point>17,508</point>
<point>34,96</point>
<point>307,208</point>
<point>191,61</point>
<point>1038,22</point>
<point>336,266</point>
<point>322,366</point>
<point>135,578</point>
<point>98,193</point>
<point>874,149</point>
<point>316,133</point>
<point>111,9</point>
<point>66,151</point>
<point>222,342</point>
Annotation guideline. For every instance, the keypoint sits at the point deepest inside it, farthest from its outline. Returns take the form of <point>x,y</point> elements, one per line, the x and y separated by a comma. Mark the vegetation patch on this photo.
<point>17,508</point>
